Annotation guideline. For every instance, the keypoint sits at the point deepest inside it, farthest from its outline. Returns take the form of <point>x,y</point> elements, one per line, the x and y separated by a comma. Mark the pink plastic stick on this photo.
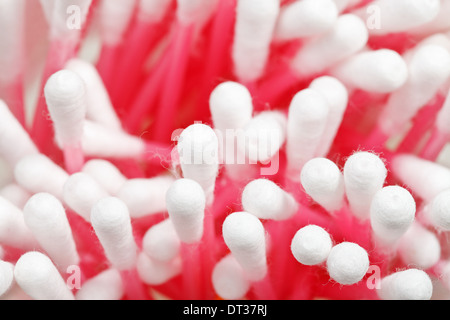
<point>134,287</point>
<point>191,271</point>
<point>434,146</point>
<point>107,63</point>
<point>73,158</point>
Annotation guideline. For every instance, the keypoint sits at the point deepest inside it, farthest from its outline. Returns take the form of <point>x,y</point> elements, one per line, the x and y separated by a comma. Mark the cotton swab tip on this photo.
<point>311,245</point>
<point>411,284</point>
<point>154,272</point>
<point>107,285</point>
<point>229,279</point>
<point>161,242</point>
<point>347,263</point>
<point>438,211</point>
<point>6,277</point>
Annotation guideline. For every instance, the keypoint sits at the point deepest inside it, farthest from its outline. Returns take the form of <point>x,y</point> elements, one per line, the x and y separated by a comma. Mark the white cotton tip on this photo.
<point>324,183</point>
<point>107,285</point>
<point>244,235</point>
<point>429,68</point>
<point>186,203</point>
<point>255,25</point>
<point>115,17</point>
<point>106,174</point>
<point>402,15</point>
<point>38,277</point>
<point>347,263</point>
<point>263,136</point>
<point>229,279</point>
<point>231,106</point>
<point>44,213</point>
<point>13,230</point>
<point>190,11</point>
<point>145,196</point>
<point>199,156</point>
<point>161,242</point>
<point>65,94</point>
<point>307,119</point>
<point>438,211</point>
<point>440,23</point>
<point>311,245</point>
<point>266,200</point>
<point>379,71</point>
<point>153,272</point>
<point>152,11</point>
<point>6,277</point>
<point>37,173</point>
<point>306,18</point>
<point>337,96</point>
<point>112,224</point>
<point>443,117</point>
<point>348,36</point>
<point>364,176</point>
<point>344,4</point>
<point>15,194</point>
<point>98,104</point>
<point>419,247</point>
<point>15,143</point>
<point>411,284</point>
<point>392,212</point>
<point>425,178</point>
<point>81,192</point>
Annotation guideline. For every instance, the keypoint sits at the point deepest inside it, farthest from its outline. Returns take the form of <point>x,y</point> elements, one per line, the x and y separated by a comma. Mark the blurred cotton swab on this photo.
<point>229,279</point>
<point>161,242</point>
<point>437,213</point>
<point>106,174</point>
<point>107,285</point>
<point>6,277</point>
<point>411,284</point>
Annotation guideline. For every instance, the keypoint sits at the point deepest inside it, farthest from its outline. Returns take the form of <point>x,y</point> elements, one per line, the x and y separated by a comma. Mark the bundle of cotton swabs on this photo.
<point>224,149</point>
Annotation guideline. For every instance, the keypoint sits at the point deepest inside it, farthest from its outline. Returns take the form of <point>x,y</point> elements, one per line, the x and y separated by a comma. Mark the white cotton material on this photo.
<point>44,213</point>
<point>190,11</point>
<point>425,178</point>
<point>198,150</point>
<point>152,11</point>
<point>344,4</point>
<point>81,192</point>
<point>337,96</point>
<point>263,136</point>
<point>15,194</point>
<point>307,119</point>
<point>348,36</point>
<point>65,94</point>
<point>244,235</point>
<point>229,279</point>
<point>378,71</point>
<point>106,174</point>
<point>419,247</point>
<point>364,175</point>
<point>311,245</point>
<point>401,15</point>
<point>186,203</point>
<point>443,117</point>
<point>347,263</point>
<point>112,224</point>
<point>114,18</point>
<point>6,277</point>
<point>12,18</point>
<point>37,173</point>
<point>324,183</point>
<point>161,242</point>
<point>13,230</point>
<point>392,212</point>
<point>145,196</point>
<point>107,285</point>
<point>438,211</point>
<point>440,23</point>
<point>153,272</point>
<point>429,68</point>
<point>306,18</point>
<point>38,277</point>
<point>98,104</point>
<point>254,28</point>
<point>15,143</point>
<point>411,284</point>
<point>266,200</point>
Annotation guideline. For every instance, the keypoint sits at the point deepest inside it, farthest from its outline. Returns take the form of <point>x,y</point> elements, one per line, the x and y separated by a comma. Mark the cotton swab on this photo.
<point>392,212</point>
<point>15,194</point>
<point>161,242</point>
<point>255,25</point>
<point>411,284</point>
<point>154,272</point>
<point>37,173</point>
<point>229,279</point>
<point>13,230</point>
<point>44,212</point>
<point>244,235</point>
<point>311,245</point>
<point>65,94</point>
<point>305,18</point>
<point>145,196</point>
<point>6,277</point>
<point>437,213</point>
<point>106,174</point>
<point>266,200</point>
<point>38,277</point>
<point>324,183</point>
<point>107,285</point>
<point>347,263</point>
<point>364,176</point>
